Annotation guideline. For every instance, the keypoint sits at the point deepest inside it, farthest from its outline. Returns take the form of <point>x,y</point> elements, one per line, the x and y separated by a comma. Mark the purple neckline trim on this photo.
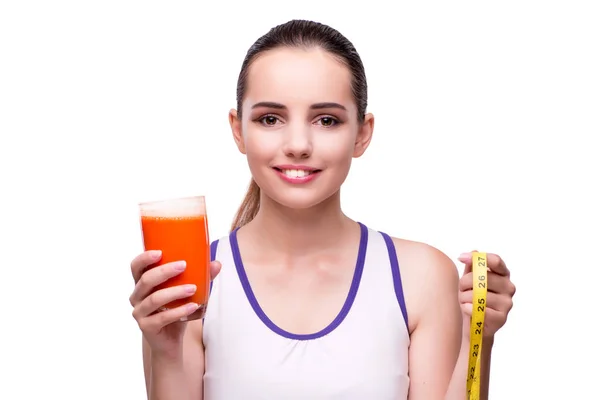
<point>360,263</point>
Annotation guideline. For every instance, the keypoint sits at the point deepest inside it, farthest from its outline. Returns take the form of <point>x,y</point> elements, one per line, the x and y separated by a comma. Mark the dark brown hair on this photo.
<point>307,34</point>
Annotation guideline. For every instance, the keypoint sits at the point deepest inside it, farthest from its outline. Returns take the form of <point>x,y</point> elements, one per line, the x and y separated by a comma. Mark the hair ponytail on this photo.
<point>249,207</point>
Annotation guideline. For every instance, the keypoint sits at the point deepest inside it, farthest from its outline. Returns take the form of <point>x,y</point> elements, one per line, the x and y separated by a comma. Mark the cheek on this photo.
<point>260,147</point>
<point>337,149</point>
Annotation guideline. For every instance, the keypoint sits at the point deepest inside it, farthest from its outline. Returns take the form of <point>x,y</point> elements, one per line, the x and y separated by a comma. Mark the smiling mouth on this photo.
<point>296,173</point>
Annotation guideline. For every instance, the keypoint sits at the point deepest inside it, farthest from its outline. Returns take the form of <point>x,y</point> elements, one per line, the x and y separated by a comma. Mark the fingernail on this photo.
<point>190,288</point>
<point>192,307</point>
<point>179,266</point>
<point>155,254</point>
<point>465,255</point>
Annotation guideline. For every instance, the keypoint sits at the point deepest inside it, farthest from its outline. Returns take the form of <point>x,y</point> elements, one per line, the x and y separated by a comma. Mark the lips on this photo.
<point>296,173</point>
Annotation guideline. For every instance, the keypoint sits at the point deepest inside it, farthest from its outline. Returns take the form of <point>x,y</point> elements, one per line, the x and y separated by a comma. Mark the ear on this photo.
<point>236,130</point>
<point>365,133</point>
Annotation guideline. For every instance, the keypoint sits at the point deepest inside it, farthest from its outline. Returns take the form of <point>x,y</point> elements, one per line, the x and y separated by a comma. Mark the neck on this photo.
<point>303,231</point>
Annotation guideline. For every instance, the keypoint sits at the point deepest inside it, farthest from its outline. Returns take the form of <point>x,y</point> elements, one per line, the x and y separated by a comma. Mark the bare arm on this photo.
<point>432,285</point>
<point>147,367</point>
<point>439,329</point>
<point>176,376</point>
<point>458,385</point>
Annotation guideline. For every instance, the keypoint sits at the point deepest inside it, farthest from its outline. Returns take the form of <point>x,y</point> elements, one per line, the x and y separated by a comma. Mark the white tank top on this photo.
<point>362,354</point>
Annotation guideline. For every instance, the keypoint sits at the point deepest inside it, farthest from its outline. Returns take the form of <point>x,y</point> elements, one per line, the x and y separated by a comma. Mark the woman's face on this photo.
<point>299,127</point>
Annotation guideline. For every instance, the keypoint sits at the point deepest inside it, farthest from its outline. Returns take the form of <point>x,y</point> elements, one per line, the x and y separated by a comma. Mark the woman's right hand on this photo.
<point>162,329</point>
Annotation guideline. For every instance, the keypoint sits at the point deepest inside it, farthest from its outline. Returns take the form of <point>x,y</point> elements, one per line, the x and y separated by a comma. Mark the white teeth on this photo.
<point>296,173</point>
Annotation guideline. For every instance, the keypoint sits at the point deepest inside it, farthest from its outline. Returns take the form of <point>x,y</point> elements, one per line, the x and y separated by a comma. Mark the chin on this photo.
<point>296,201</point>
<point>299,198</point>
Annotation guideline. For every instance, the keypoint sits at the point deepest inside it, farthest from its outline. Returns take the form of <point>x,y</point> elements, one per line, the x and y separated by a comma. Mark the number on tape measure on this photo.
<point>477,323</point>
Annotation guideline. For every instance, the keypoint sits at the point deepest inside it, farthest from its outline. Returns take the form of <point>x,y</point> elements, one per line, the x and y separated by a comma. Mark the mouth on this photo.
<point>293,173</point>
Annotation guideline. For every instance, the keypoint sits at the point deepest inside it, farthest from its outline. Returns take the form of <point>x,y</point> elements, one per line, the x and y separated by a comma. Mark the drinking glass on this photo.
<point>179,229</point>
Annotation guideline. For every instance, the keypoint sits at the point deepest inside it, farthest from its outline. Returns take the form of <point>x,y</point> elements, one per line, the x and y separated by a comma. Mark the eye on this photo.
<point>269,120</point>
<point>328,121</point>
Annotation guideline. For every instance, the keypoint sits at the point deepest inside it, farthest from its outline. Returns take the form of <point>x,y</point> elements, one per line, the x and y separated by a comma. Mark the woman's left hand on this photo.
<point>500,294</point>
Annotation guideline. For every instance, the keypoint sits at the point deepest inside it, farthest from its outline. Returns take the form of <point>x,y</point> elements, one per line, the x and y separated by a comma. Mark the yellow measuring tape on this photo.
<point>477,320</point>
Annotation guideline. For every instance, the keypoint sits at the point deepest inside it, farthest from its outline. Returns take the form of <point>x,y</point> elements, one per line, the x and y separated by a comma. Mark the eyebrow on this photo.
<point>316,106</point>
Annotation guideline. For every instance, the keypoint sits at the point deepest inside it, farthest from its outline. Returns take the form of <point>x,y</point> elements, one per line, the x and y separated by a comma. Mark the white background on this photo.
<point>487,117</point>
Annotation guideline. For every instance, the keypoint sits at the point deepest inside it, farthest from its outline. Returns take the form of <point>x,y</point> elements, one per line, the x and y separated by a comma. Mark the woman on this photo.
<point>309,304</point>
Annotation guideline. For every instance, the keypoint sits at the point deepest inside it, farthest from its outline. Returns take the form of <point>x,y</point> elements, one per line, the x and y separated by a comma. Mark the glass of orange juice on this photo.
<point>179,229</point>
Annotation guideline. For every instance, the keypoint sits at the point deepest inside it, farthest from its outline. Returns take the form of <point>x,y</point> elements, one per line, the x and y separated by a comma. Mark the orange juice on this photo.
<point>179,229</point>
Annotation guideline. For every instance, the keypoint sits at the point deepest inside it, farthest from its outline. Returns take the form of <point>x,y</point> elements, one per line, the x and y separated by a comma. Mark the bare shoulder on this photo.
<point>428,276</point>
<point>422,258</point>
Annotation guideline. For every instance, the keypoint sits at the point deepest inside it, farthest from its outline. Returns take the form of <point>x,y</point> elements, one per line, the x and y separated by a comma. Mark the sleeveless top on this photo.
<point>362,354</point>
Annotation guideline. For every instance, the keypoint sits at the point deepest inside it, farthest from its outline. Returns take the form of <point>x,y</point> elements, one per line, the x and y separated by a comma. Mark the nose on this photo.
<point>298,142</point>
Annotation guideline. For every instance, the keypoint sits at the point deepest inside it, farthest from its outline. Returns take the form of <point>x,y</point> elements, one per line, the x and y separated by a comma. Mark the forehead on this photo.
<point>299,76</point>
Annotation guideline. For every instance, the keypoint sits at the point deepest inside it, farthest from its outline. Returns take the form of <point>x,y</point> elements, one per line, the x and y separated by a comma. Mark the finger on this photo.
<point>500,284</point>
<point>494,263</point>
<point>141,262</point>
<point>490,313</point>
<point>493,321</point>
<point>497,264</point>
<point>215,268</point>
<point>160,298</point>
<point>153,277</point>
<point>495,283</point>
<point>467,259</point>
<point>493,301</point>
<point>156,322</point>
